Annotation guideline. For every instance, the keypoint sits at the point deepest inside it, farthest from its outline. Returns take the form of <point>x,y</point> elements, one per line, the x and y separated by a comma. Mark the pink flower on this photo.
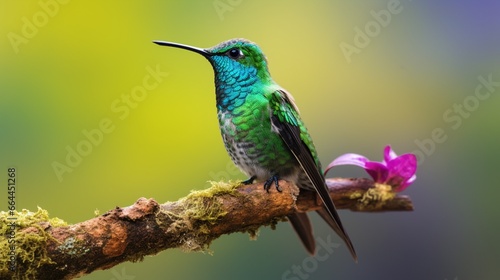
<point>396,171</point>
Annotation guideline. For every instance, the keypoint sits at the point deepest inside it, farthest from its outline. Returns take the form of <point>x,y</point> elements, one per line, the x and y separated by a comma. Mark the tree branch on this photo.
<point>46,251</point>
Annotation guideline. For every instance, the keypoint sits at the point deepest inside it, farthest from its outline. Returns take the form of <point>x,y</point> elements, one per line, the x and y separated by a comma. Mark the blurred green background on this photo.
<point>68,66</point>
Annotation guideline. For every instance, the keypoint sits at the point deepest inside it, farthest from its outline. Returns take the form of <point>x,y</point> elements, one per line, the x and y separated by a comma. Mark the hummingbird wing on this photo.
<point>286,122</point>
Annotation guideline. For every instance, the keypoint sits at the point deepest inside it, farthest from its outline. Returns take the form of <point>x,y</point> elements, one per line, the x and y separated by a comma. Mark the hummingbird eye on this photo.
<point>235,53</point>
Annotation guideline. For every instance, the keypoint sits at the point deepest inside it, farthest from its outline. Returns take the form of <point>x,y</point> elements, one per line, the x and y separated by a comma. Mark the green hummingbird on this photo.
<point>262,130</point>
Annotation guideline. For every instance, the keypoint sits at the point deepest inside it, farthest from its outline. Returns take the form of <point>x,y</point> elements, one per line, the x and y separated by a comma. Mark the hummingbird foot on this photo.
<point>249,180</point>
<point>274,179</point>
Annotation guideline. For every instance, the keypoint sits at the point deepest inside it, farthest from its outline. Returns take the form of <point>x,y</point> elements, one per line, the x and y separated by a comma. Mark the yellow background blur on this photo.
<point>67,66</point>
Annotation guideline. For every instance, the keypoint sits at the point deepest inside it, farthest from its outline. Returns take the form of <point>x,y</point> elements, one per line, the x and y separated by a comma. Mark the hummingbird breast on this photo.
<point>251,142</point>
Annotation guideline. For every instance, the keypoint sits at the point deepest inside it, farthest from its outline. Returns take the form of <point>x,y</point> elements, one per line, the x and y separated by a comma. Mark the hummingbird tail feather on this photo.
<point>302,226</point>
<point>323,213</point>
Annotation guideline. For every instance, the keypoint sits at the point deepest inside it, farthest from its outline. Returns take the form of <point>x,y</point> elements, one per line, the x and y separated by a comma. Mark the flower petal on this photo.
<point>389,154</point>
<point>406,184</point>
<point>378,171</point>
<point>396,171</point>
<point>404,166</point>
<point>347,159</point>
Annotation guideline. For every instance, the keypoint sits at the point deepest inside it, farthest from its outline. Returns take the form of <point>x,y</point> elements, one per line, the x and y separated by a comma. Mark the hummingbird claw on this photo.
<point>249,180</point>
<point>274,179</point>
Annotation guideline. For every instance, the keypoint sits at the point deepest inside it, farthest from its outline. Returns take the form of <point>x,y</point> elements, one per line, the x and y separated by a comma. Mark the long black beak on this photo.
<point>186,47</point>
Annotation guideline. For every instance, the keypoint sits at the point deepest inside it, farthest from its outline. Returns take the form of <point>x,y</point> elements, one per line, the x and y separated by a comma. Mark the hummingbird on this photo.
<point>263,132</point>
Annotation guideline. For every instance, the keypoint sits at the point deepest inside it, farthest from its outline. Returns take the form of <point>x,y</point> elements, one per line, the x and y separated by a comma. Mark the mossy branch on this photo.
<point>49,249</point>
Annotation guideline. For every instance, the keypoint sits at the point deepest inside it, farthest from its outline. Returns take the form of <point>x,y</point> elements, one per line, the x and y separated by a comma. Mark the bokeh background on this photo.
<point>67,66</point>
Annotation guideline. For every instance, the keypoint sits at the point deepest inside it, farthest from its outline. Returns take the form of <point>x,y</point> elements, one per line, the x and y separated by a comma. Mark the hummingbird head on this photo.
<point>232,57</point>
<point>239,66</point>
